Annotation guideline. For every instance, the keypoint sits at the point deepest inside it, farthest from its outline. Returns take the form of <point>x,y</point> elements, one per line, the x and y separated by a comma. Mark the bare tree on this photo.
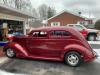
<point>5,2</point>
<point>43,12</point>
<point>23,4</point>
<point>51,12</point>
<point>18,4</point>
<point>35,13</point>
<point>46,12</point>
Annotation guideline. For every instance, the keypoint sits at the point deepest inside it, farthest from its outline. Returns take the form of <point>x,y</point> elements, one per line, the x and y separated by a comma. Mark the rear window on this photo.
<point>70,25</point>
<point>59,33</point>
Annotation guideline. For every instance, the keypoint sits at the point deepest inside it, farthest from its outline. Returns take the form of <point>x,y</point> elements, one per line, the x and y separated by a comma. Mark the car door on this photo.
<point>37,43</point>
<point>58,39</point>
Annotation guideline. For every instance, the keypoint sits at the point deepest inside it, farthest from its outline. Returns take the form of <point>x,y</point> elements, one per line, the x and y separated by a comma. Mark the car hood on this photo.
<point>93,30</point>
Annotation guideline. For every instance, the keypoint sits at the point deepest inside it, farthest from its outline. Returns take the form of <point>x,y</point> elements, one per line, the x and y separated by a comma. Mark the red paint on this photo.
<point>84,32</point>
<point>51,47</point>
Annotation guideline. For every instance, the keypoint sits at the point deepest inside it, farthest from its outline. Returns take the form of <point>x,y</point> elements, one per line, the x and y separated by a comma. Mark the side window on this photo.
<point>39,34</point>
<point>56,33</point>
<point>59,33</point>
<point>65,33</point>
<point>70,26</point>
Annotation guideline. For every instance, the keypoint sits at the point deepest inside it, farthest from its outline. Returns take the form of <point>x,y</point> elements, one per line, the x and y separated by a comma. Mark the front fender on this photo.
<point>16,47</point>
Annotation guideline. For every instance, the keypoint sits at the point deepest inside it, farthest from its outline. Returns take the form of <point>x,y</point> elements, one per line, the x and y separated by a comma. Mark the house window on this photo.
<point>55,24</point>
<point>83,22</point>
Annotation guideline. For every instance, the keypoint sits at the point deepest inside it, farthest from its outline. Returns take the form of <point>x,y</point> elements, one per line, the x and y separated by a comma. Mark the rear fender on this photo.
<point>17,47</point>
<point>77,48</point>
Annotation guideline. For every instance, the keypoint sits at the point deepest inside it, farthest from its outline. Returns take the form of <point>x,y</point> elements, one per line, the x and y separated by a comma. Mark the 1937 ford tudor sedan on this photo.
<point>52,43</point>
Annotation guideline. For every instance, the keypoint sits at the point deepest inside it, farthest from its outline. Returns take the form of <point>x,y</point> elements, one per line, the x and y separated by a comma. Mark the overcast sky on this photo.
<point>87,7</point>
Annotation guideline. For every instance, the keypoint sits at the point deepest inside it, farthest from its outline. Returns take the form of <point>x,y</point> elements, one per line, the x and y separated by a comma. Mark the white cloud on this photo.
<point>88,7</point>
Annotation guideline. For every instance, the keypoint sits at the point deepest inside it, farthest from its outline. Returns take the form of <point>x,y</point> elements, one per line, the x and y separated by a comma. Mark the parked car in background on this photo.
<point>89,34</point>
<point>10,36</point>
<point>52,43</point>
<point>90,26</point>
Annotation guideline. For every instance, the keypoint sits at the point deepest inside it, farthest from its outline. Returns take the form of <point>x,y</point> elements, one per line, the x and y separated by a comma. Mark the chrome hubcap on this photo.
<point>10,53</point>
<point>73,59</point>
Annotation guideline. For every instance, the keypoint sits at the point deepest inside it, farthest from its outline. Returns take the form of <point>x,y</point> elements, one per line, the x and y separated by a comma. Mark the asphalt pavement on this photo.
<point>41,67</point>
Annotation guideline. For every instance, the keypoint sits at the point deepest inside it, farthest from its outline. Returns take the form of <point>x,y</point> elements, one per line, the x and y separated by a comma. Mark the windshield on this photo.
<point>80,27</point>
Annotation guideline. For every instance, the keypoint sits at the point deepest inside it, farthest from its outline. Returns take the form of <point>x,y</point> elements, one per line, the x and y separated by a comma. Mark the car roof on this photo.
<point>53,28</point>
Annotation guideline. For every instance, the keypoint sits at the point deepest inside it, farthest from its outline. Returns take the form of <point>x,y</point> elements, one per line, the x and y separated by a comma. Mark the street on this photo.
<point>42,67</point>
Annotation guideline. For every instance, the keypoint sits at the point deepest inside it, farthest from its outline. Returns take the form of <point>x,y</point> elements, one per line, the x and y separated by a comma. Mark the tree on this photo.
<point>35,13</point>
<point>5,1</point>
<point>17,4</point>
<point>51,12</point>
<point>42,10</point>
<point>45,12</point>
<point>22,4</point>
<point>97,24</point>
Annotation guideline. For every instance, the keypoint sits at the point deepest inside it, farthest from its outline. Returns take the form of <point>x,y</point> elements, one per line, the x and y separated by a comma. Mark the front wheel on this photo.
<point>10,53</point>
<point>73,59</point>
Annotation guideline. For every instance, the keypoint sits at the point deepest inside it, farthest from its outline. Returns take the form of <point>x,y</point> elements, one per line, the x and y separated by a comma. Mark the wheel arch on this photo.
<point>74,48</point>
<point>71,51</point>
<point>16,47</point>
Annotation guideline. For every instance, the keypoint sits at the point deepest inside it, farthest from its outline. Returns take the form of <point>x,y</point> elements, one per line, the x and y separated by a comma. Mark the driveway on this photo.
<point>37,67</point>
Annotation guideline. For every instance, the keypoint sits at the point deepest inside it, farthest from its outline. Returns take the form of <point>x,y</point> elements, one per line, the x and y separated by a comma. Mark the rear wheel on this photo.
<point>10,53</point>
<point>73,59</point>
<point>92,37</point>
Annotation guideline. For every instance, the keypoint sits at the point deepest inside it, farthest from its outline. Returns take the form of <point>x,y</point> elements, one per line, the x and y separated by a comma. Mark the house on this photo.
<point>11,18</point>
<point>65,17</point>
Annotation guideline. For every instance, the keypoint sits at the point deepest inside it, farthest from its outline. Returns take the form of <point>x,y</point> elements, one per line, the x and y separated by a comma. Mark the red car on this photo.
<point>89,34</point>
<point>52,43</point>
